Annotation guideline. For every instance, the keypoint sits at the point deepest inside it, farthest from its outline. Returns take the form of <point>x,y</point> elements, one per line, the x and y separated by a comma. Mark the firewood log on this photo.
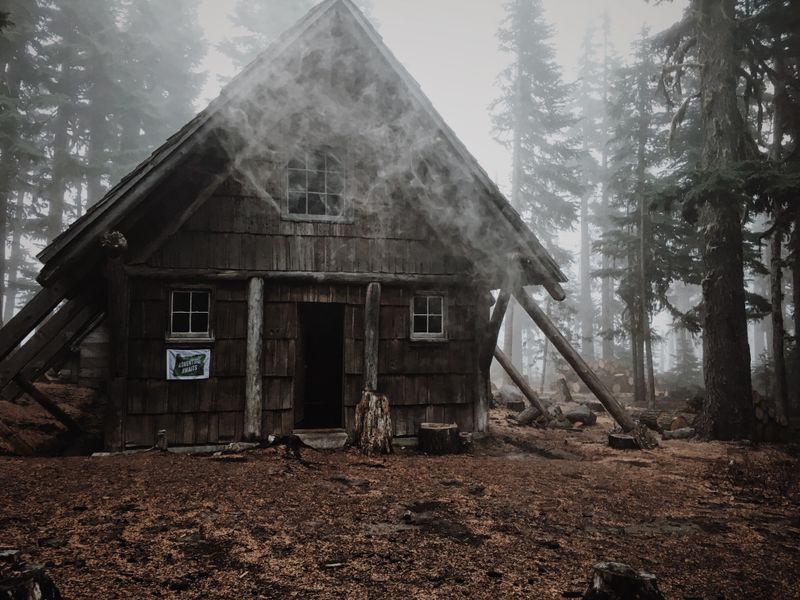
<point>439,438</point>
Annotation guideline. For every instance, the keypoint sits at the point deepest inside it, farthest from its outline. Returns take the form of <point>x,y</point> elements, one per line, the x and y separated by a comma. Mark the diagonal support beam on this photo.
<point>489,341</point>
<point>592,381</point>
<point>33,313</point>
<point>74,315</point>
<point>522,384</point>
<point>48,404</point>
<point>53,355</point>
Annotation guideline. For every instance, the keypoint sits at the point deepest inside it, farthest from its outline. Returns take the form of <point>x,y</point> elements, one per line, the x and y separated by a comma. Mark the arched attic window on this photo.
<point>316,186</point>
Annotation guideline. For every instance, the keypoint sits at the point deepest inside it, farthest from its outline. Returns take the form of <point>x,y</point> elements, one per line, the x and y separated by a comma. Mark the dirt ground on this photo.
<point>525,515</point>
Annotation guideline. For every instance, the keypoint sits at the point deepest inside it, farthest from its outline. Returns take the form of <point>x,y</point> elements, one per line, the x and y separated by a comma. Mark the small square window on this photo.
<point>190,313</point>
<point>315,186</point>
<point>427,317</point>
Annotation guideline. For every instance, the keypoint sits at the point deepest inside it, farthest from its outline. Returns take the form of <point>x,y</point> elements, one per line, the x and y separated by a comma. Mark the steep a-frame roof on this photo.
<point>83,234</point>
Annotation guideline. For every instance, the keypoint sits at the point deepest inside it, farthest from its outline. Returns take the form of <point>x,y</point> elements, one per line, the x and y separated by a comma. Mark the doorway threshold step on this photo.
<point>323,439</point>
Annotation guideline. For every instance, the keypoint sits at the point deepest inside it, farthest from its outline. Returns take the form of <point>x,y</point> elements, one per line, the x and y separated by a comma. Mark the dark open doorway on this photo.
<point>319,378</point>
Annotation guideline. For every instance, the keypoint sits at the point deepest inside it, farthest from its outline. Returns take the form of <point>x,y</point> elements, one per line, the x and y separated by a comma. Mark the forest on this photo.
<point>658,183</point>
<point>678,222</point>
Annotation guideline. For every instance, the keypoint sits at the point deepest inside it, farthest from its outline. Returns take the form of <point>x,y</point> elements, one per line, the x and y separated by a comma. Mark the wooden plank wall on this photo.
<point>192,412</point>
<point>93,359</point>
<point>425,381</point>
<point>240,229</point>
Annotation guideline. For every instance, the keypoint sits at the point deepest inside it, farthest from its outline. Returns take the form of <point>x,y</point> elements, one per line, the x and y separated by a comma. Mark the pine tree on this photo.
<point>531,117</point>
<point>20,150</point>
<point>162,46</point>
<point>590,107</point>
<point>710,26</point>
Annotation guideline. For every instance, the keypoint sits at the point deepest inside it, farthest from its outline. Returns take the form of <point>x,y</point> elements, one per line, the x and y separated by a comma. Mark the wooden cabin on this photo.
<point>231,268</point>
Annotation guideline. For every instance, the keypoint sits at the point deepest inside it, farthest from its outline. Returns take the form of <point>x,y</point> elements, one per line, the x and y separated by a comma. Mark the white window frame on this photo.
<point>427,336</point>
<point>190,335</point>
<point>344,213</point>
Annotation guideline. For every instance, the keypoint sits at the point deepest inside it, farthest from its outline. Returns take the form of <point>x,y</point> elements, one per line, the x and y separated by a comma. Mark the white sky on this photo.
<point>450,47</point>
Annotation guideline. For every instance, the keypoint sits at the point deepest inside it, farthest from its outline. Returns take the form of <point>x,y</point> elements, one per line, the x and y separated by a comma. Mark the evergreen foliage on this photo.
<point>532,116</point>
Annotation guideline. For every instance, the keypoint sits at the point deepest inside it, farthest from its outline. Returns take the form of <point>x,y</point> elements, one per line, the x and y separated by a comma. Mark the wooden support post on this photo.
<point>33,313</point>
<point>118,302</point>
<point>73,314</point>
<point>521,383</point>
<point>372,310</point>
<point>606,398</point>
<point>48,404</point>
<point>55,353</point>
<point>17,444</point>
<point>373,427</point>
<point>489,343</point>
<point>254,382</point>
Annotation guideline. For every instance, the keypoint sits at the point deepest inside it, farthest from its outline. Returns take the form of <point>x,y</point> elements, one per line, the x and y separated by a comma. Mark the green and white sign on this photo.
<point>188,364</point>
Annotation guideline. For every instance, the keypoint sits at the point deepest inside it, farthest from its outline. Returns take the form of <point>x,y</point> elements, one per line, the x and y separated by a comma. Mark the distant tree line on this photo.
<point>87,89</point>
<point>680,165</point>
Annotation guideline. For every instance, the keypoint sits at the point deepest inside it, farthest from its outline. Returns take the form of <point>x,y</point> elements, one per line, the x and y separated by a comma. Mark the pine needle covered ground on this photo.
<point>525,515</point>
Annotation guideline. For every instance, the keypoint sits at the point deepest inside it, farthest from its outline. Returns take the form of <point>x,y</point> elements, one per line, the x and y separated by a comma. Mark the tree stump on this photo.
<point>373,424</point>
<point>563,395</point>
<point>622,441</point>
<point>615,581</point>
<point>439,438</point>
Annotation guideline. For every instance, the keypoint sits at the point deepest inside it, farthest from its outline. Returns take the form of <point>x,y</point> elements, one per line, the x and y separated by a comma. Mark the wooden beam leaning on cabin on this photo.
<point>254,382</point>
<point>75,314</point>
<point>33,313</point>
<point>54,353</point>
<point>592,381</point>
<point>489,340</point>
<point>522,383</point>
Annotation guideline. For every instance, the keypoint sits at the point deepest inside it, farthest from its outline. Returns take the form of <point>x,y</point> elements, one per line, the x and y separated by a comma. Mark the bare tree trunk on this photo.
<point>796,302</point>
<point>728,409</point>
<point>14,258</point>
<point>58,185</point>
<point>779,392</point>
<point>9,166</point>
<point>607,284</point>
<point>587,307</point>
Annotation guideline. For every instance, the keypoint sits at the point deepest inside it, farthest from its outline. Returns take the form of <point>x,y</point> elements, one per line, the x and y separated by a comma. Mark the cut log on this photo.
<point>439,438</point>
<point>373,424</point>
<point>611,581</point>
<point>650,418</point>
<point>678,422</point>
<point>528,416</point>
<point>679,434</point>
